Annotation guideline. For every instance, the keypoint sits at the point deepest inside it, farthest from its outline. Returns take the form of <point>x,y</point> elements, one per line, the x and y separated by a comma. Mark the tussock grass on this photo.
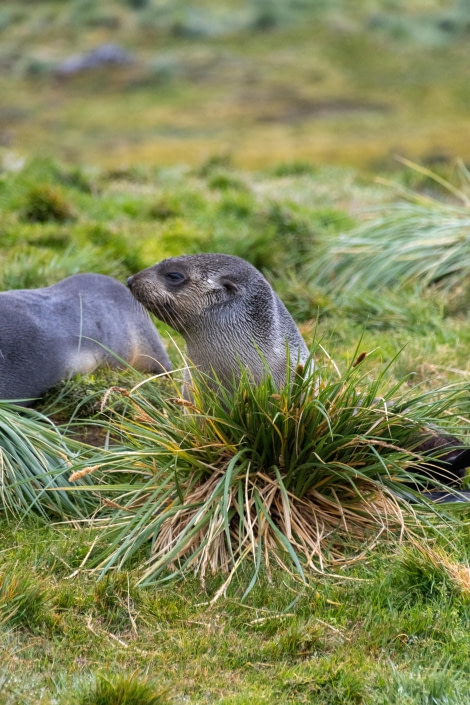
<point>123,690</point>
<point>35,460</point>
<point>308,477</point>
<point>421,240</point>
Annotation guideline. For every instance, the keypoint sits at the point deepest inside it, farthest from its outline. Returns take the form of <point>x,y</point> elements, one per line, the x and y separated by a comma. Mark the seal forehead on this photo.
<point>208,265</point>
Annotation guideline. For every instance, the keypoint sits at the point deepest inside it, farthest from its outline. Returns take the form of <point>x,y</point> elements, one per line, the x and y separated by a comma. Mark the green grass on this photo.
<point>390,626</point>
<point>122,691</point>
<point>421,240</point>
<point>262,80</point>
<point>301,478</point>
<point>377,632</point>
<point>36,459</point>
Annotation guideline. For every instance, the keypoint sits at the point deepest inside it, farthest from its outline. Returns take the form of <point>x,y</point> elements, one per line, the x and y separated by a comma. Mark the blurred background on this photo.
<point>119,82</point>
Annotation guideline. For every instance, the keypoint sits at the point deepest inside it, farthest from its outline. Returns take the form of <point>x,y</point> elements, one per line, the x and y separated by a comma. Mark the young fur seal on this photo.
<point>228,314</point>
<point>70,327</point>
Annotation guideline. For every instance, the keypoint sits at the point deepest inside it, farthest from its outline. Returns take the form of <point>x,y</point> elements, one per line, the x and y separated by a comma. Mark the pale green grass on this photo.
<point>420,240</point>
<point>35,464</point>
<point>267,81</point>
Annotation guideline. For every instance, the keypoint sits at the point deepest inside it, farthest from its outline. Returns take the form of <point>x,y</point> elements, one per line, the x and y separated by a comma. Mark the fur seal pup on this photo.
<point>228,314</point>
<point>73,326</point>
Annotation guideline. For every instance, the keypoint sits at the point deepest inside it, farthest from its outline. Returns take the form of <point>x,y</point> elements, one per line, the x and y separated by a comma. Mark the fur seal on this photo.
<point>228,314</point>
<point>72,327</point>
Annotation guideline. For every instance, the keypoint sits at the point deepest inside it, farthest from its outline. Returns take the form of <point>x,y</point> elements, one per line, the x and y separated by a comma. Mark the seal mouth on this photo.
<point>166,311</point>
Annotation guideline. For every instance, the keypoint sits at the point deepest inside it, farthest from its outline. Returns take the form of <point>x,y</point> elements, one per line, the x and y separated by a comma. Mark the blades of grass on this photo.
<point>282,539</point>
<point>234,466</point>
<point>257,554</point>
<point>35,460</point>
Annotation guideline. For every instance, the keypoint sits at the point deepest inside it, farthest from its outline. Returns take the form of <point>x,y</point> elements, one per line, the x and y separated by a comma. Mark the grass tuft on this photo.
<point>421,240</point>
<point>423,685</point>
<point>123,690</point>
<point>35,460</point>
<point>22,600</point>
<point>44,203</point>
<point>299,478</point>
<point>431,573</point>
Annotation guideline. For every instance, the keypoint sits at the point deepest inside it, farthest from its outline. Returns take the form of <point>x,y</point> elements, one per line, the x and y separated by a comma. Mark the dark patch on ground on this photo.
<point>288,108</point>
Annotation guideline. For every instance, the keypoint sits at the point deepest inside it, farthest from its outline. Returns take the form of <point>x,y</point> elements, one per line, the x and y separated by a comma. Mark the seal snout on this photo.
<point>129,281</point>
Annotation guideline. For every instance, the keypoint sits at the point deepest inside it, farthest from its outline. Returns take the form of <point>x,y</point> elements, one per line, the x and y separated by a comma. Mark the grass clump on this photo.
<point>224,181</point>
<point>306,477</point>
<point>429,573</point>
<point>22,599</point>
<point>423,686</point>
<point>35,460</point>
<point>46,202</point>
<point>297,167</point>
<point>123,690</point>
<point>422,240</point>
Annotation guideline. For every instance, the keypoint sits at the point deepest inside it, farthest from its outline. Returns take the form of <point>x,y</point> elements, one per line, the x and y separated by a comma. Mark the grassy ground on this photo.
<point>390,628</point>
<point>212,140</point>
<point>263,80</point>
<point>393,629</point>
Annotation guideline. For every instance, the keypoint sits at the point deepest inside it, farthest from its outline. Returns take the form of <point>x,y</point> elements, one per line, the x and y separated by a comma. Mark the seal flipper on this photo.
<point>448,459</point>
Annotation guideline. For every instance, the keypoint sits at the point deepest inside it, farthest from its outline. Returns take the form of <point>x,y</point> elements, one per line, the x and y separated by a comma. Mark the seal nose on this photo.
<point>129,282</point>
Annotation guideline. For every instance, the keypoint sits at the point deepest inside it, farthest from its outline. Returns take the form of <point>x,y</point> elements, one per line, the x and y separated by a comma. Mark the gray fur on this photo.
<point>70,327</point>
<point>227,313</point>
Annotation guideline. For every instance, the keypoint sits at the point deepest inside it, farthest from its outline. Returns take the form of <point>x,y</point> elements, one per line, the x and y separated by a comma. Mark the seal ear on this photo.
<point>229,285</point>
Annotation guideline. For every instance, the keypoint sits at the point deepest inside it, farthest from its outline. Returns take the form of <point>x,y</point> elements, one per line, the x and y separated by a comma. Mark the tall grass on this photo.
<point>34,464</point>
<point>420,240</point>
<point>307,477</point>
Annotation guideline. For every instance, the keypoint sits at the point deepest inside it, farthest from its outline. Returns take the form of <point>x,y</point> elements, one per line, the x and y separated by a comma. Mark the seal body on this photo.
<point>227,313</point>
<point>74,326</point>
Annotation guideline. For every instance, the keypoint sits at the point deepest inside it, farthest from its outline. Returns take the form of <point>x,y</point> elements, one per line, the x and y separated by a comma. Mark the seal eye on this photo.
<point>174,277</point>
